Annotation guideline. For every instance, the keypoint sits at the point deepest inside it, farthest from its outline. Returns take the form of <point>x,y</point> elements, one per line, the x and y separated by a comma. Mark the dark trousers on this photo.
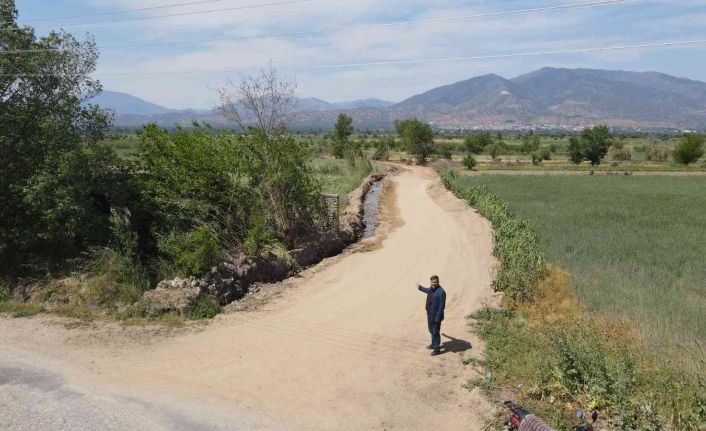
<point>435,331</point>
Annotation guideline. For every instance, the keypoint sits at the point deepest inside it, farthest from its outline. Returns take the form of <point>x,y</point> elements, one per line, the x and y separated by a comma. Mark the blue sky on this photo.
<point>632,22</point>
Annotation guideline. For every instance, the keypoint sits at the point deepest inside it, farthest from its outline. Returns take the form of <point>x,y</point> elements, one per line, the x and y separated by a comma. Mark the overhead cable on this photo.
<point>358,27</point>
<point>201,12</point>
<point>115,12</point>
<point>396,62</point>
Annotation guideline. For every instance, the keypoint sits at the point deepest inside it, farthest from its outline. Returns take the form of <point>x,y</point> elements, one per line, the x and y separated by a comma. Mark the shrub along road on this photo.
<point>343,347</point>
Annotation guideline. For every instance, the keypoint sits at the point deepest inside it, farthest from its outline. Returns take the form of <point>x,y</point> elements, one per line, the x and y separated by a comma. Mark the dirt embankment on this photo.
<point>231,280</point>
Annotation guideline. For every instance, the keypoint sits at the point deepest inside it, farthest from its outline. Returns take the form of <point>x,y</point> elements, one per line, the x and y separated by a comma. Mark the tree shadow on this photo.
<point>455,345</point>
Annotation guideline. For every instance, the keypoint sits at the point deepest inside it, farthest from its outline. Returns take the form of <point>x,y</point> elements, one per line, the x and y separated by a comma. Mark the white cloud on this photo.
<point>577,28</point>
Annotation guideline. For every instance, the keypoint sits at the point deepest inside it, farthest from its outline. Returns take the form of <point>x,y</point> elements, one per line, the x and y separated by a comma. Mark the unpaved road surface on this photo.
<point>341,348</point>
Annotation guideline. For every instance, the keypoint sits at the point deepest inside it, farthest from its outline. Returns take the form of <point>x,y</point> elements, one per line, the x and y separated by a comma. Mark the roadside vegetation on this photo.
<point>89,222</point>
<point>544,348</point>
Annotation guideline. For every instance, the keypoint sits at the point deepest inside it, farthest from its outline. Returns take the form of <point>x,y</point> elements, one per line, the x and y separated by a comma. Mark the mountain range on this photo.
<point>549,97</point>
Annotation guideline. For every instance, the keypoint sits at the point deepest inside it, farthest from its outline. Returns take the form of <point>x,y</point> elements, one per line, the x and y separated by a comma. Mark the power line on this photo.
<point>145,18</point>
<point>398,62</point>
<point>142,9</point>
<point>363,27</point>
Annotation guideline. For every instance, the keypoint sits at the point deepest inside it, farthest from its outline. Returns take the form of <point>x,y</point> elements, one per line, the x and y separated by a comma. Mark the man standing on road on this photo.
<point>436,302</point>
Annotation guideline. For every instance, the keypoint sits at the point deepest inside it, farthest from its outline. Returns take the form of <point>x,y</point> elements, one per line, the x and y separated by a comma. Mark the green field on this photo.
<point>635,246</point>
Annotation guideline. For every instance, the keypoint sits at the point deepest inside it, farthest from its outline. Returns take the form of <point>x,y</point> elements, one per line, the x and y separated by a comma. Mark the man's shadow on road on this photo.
<point>455,345</point>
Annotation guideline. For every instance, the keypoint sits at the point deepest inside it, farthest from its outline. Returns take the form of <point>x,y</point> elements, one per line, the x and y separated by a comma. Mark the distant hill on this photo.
<point>125,104</point>
<point>549,97</point>
<point>365,103</point>
<point>564,97</point>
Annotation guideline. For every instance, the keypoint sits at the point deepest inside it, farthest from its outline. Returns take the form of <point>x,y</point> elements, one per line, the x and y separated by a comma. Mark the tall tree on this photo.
<point>596,142</point>
<point>478,142</point>
<point>342,131</point>
<point>417,138</point>
<point>575,150</point>
<point>264,100</point>
<point>53,190</point>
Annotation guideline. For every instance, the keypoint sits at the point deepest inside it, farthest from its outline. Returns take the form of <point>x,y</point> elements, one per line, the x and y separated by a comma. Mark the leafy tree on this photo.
<point>575,150</point>
<point>417,138</point>
<point>494,150</point>
<point>343,129</point>
<point>56,181</point>
<point>469,162</point>
<point>689,149</point>
<point>545,153</point>
<point>596,142</point>
<point>530,143</point>
<point>478,142</point>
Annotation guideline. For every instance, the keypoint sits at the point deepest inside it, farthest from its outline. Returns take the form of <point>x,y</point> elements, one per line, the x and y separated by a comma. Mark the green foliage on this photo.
<point>225,182</point>
<point>478,142</point>
<point>516,244</point>
<point>536,159</point>
<point>545,153</point>
<point>343,129</point>
<point>445,152</point>
<point>530,143</point>
<point>49,178</point>
<point>580,363</point>
<point>202,307</point>
<point>494,150</point>
<point>576,154</point>
<point>417,138</point>
<point>192,252</point>
<point>469,162</point>
<point>690,149</point>
<point>595,143</point>
<point>383,145</point>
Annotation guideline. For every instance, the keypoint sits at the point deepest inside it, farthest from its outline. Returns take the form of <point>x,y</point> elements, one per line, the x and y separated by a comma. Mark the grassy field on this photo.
<point>635,246</point>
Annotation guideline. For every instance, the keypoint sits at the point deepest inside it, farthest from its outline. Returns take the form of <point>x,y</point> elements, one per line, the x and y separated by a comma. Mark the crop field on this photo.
<point>634,246</point>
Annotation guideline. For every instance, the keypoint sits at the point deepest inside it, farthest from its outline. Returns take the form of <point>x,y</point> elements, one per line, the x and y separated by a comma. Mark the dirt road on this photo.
<point>342,348</point>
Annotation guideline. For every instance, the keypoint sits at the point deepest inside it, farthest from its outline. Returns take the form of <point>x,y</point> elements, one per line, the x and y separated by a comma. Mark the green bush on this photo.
<point>545,153</point>
<point>689,149</point>
<point>536,158</point>
<point>516,244</point>
<point>494,150</point>
<point>191,252</point>
<point>202,307</point>
<point>445,152</point>
<point>469,162</point>
<point>478,142</point>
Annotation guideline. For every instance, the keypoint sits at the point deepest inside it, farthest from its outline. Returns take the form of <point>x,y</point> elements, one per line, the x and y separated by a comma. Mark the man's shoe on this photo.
<point>435,352</point>
<point>430,347</point>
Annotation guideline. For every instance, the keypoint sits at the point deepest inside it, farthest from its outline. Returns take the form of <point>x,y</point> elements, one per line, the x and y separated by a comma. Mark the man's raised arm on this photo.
<point>423,289</point>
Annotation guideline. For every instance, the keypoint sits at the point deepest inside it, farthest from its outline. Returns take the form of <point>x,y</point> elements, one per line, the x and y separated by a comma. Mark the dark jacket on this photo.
<point>436,302</point>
